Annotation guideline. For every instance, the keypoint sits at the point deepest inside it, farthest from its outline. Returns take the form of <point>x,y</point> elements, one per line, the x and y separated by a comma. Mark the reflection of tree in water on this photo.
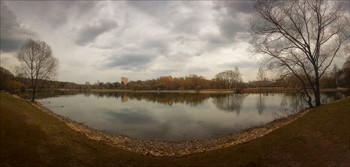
<point>328,97</point>
<point>294,102</point>
<point>171,98</point>
<point>291,103</point>
<point>163,98</point>
<point>233,102</point>
<point>230,103</point>
<point>41,94</point>
<point>260,104</point>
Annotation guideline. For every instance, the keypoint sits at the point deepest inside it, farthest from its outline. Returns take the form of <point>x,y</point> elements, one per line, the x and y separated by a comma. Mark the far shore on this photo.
<point>209,91</point>
<point>223,91</point>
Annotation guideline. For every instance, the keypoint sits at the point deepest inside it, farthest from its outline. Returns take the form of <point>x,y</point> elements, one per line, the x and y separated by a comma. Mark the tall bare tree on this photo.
<point>36,63</point>
<point>230,77</point>
<point>261,76</point>
<point>300,38</point>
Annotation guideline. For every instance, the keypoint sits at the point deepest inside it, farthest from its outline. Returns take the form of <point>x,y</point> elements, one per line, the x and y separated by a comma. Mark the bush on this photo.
<point>5,79</point>
<point>17,86</point>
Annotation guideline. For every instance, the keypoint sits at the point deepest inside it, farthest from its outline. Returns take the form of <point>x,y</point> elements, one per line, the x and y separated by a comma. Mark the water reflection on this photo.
<point>224,102</point>
<point>173,116</point>
<point>230,103</point>
<point>294,101</point>
<point>260,104</point>
<point>170,98</point>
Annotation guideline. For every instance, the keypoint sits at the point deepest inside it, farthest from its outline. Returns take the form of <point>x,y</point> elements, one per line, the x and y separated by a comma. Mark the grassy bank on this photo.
<point>30,137</point>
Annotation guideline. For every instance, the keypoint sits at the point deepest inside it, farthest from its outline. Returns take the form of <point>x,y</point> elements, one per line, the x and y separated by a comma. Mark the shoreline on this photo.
<point>204,91</point>
<point>220,91</point>
<point>173,148</point>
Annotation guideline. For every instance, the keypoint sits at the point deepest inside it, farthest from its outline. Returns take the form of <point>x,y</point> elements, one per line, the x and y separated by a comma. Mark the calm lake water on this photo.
<point>174,116</point>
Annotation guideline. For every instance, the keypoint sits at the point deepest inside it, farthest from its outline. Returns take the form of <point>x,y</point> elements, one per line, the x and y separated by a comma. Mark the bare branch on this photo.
<point>297,35</point>
<point>36,62</point>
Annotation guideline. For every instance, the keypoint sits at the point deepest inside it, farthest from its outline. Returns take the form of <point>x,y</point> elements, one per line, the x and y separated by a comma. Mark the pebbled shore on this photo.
<point>164,148</point>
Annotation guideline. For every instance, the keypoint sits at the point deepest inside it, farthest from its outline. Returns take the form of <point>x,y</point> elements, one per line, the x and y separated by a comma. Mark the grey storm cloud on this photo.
<point>229,27</point>
<point>159,45</point>
<point>232,20</point>
<point>91,31</point>
<point>231,17</point>
<point>153,8</point>
<point>233,7</point>
<point>187,24</point>
<point>13,33</point>
<point>168,14</point>
<point>346,6</point>
<point>55,13</point>
<point>186,20</point>
<point>128,61</point>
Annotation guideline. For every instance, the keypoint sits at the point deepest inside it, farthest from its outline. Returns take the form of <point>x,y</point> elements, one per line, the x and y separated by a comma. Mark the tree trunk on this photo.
<point>309,99</point>
<point>317,92</point>
<point>33,94</point>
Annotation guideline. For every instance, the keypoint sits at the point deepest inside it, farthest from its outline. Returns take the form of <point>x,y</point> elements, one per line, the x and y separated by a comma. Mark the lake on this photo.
<point>174,116</point>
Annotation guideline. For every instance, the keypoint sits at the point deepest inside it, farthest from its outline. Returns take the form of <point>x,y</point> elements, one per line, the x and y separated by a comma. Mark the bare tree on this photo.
<point>36,63</point>
<point>300,38</point>
<point>261,76</point>
<point>231,78</point>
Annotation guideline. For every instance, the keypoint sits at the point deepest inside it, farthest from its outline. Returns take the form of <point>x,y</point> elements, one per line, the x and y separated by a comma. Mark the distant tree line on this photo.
<point>229,79</point>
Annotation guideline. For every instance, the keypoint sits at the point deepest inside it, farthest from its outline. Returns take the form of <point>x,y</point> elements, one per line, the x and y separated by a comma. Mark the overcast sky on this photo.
<point>104,40</point>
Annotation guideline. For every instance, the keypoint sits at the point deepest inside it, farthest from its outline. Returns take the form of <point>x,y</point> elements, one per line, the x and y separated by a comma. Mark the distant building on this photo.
<point>165,78</point>
<point>87,83</point>
<point>124,80</point>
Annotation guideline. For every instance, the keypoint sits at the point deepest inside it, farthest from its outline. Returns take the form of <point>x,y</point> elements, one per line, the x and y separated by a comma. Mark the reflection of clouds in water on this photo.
<point>133,115</point>
<point>144,123</point>
<point>145,116</point>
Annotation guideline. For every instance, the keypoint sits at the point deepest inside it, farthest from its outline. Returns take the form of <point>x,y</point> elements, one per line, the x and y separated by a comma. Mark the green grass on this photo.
<point>30,137</point>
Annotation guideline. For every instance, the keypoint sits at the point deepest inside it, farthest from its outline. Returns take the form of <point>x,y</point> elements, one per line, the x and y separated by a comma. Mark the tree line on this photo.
<point>228,79</point>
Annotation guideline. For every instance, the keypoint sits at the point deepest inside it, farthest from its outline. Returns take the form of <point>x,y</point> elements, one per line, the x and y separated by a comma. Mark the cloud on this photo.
<point>234,7</point>
<point>232,20</point>
<point>132,61</point>
<point>54,14</point>
<point>13,33</point>
<point>241,64</point>
<point>185,18</point>
<point>159,45</point>
<point>91,31</point>
<point>346,6</point>
<point>197,70</point>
